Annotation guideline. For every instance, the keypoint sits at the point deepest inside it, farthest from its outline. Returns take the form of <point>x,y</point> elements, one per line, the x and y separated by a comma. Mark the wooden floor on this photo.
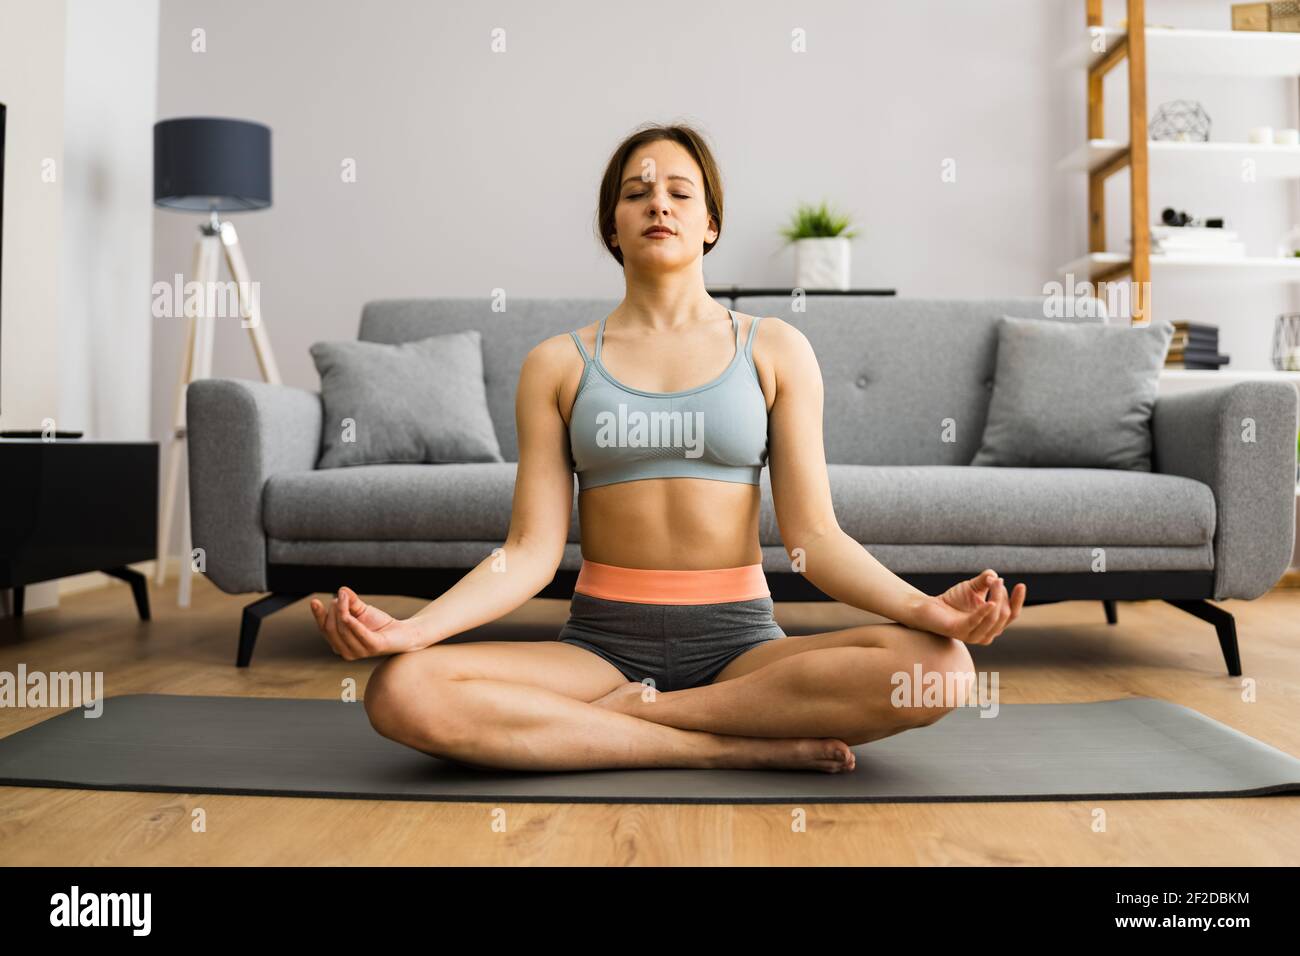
<point>1060,652</point>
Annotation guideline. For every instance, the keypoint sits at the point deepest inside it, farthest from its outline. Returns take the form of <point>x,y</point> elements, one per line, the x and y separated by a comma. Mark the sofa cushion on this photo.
<point>1073,395</point>
<point>875,504</point>
<point>392,502</point>
<point>955,504</point>
<point>421,401</point>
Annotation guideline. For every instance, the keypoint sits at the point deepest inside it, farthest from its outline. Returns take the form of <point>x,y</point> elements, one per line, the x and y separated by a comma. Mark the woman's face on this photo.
<point>661,186</point>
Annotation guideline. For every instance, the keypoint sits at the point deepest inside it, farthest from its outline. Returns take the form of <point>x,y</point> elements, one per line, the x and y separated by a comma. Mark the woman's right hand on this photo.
<point>357,630</point>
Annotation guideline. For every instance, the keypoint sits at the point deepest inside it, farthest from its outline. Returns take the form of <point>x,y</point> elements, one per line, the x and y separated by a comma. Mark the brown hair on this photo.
<point>684,136</point>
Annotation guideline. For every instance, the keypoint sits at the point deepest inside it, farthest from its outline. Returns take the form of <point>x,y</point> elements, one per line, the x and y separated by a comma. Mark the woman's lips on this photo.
<point>658,234</point>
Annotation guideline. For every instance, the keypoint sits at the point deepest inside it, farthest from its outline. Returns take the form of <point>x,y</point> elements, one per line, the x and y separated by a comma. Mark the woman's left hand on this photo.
<point>974,611</point>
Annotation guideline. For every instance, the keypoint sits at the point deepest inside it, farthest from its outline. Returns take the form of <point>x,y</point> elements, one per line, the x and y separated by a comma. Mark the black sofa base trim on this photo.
<point>1189,591</point>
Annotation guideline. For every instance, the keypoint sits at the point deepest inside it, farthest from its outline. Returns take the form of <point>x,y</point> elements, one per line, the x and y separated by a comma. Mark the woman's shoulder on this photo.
<point>554,360</point>
<point>771,328</point>
<point>559,349</point>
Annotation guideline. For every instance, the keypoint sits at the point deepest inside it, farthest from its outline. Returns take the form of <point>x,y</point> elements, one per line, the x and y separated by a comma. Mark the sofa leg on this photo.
<point>1111,616</point>
<point>253,616</point>
<point>1224,624</point>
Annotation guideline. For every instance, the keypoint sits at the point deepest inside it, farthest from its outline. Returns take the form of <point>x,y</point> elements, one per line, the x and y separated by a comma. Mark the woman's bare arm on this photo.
<point>801,492</point>
<point>540,512</point>
<point>974,611</point>
<point>524,564</point>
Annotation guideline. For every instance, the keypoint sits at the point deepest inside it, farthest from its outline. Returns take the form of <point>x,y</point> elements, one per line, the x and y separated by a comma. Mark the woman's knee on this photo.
<point>404,700</point>
<point>955,667</point>
<point>947,673</point>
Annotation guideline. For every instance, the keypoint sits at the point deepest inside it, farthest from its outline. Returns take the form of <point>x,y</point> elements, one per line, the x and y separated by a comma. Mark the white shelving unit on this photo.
<point>1210,268</point>
<point>1202,52</point>
<point>1203,159</point>
<point>1172,50</point>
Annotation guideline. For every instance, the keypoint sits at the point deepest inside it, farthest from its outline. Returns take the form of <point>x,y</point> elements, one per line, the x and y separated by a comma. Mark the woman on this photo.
<point>671,656</point>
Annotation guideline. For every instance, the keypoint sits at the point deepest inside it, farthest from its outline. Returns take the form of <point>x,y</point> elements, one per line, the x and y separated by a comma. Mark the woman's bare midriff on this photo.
<point>681,524</point>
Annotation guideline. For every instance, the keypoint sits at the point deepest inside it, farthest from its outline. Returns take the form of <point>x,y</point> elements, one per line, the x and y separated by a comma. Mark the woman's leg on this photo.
<point>836,684</point>
<point>524,706</point>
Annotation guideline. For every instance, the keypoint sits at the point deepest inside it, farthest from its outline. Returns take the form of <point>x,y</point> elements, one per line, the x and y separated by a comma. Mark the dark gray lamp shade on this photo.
<point>203,163</point>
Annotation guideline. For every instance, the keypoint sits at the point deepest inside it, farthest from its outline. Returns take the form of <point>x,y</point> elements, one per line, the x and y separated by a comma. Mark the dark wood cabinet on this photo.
<point>70,506</point>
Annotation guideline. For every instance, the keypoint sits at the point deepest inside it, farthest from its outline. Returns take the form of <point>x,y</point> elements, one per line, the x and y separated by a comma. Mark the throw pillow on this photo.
<point>1073,394</point>
<point>421,401</point>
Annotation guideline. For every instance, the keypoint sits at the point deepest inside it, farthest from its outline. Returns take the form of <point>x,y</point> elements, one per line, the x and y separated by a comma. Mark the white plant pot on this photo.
<point>822,263</point>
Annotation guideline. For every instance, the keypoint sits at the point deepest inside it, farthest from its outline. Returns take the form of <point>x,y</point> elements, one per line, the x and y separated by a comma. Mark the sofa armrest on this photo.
<point>240,433</point>
<point>1240,439</point>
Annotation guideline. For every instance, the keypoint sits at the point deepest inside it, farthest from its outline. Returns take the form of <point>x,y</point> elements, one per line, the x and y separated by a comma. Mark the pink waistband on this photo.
<point>653,586</point>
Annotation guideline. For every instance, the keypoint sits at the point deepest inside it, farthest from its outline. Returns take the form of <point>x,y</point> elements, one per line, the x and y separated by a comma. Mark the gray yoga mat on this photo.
<point>1114,749</point>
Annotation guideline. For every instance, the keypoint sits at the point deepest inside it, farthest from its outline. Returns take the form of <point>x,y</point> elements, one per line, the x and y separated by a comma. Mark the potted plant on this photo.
<point>821,247</point>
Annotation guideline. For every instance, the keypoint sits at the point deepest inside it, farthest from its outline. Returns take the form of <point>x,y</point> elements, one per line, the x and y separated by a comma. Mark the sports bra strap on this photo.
<point>600,336</point>
<point>749,342</point>
<point>577,341</point>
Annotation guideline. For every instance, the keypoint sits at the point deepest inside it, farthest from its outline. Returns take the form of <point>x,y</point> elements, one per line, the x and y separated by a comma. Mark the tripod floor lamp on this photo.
<point>209,165</point>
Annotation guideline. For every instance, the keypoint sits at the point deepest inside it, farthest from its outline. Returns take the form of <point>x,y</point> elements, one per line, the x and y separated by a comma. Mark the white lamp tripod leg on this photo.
<point>249,304</point>
<point>185,373</point>
<point>201,367</point>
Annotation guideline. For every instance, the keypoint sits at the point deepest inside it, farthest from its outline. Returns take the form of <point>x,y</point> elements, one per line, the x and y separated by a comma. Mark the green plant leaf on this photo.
<point>817,222</point>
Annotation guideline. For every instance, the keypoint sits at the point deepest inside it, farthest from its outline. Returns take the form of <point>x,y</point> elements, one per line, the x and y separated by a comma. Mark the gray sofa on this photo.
<point>1215,519</point>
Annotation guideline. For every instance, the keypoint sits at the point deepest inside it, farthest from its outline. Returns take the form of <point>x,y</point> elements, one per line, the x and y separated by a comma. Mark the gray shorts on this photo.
<point>674,645</point>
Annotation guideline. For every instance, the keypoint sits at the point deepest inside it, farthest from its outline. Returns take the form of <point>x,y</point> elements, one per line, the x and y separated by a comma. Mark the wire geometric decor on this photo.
<point>1286,342</point>
<point>1181,121</point>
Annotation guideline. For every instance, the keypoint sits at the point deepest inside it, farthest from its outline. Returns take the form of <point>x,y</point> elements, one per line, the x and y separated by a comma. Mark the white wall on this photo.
<point>80,80</point>
<point>111,91</point>
<point>31,85</point>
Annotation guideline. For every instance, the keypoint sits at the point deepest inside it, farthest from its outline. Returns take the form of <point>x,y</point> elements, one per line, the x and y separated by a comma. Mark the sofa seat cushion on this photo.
<point>1042,507</point>
<point>467,501</point>
<point>875,504</point>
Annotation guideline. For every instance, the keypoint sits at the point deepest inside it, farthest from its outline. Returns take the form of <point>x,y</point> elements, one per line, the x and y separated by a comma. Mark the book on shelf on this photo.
<point>1194,341</point>
<point>1204,345</point>
<point>1182,325</point>
<point>1195,355</point>
<point>1195,360</point>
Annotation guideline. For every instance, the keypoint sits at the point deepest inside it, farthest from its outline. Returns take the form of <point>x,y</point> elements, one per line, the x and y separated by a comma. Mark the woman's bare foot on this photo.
<point>787,753</point>
<point>756,753</point>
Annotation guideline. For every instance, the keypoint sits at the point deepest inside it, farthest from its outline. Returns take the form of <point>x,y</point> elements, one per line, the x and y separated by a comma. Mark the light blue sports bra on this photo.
<point>717,430</point>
